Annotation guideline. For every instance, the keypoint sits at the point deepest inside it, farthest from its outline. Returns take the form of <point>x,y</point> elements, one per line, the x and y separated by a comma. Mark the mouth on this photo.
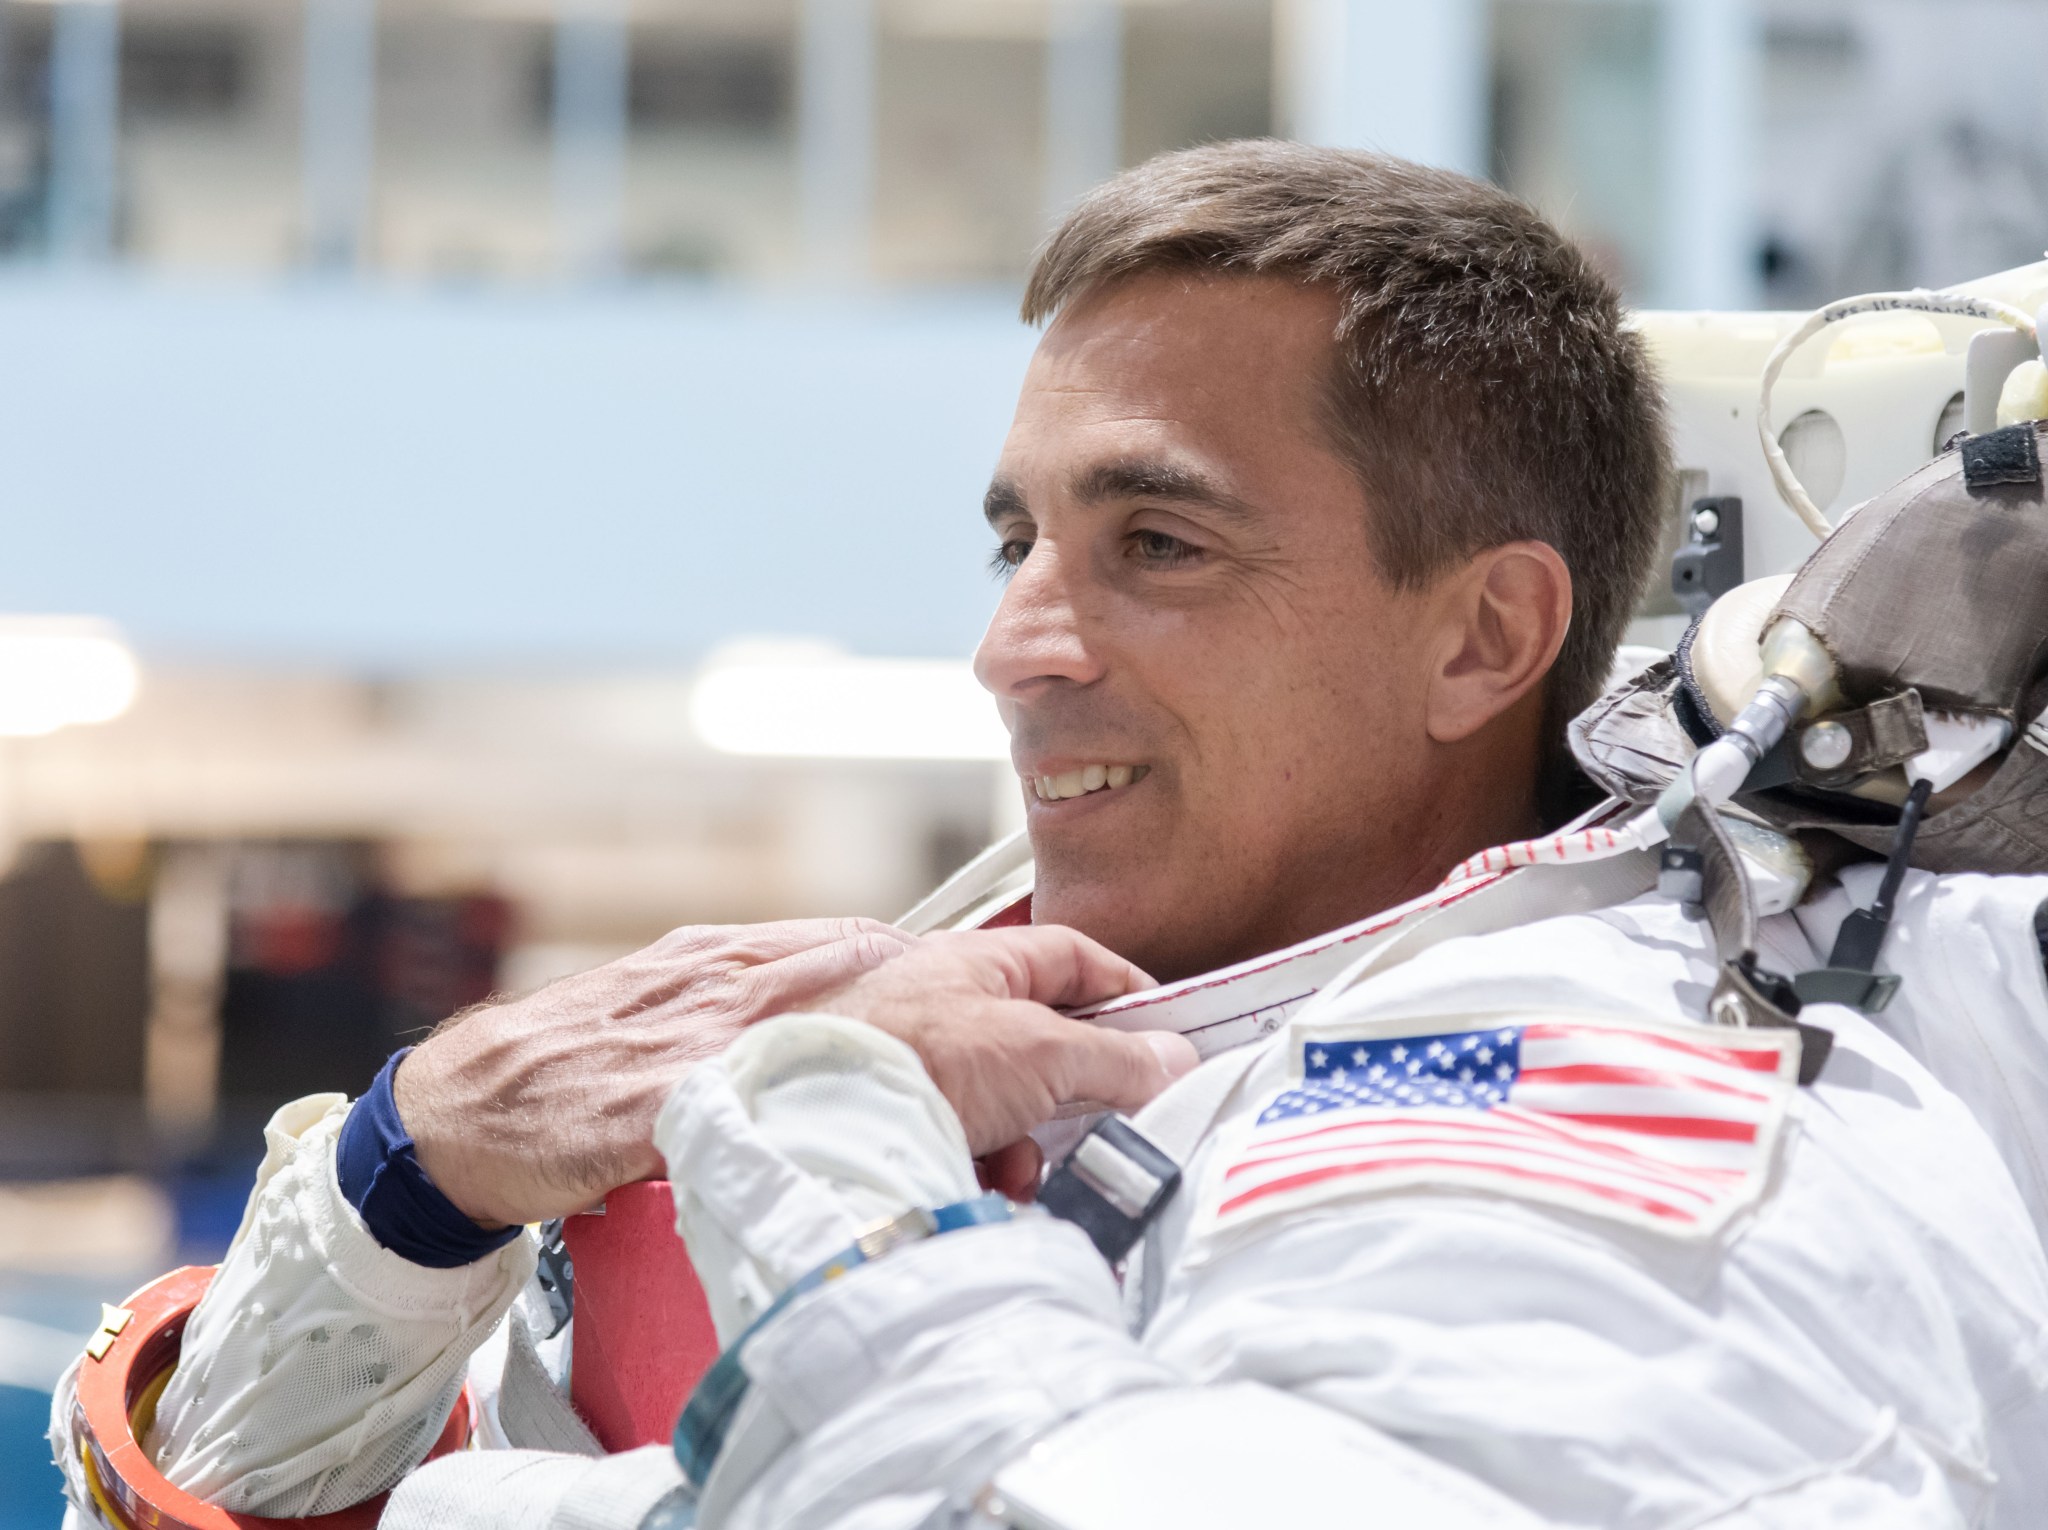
<point>1086,780</point>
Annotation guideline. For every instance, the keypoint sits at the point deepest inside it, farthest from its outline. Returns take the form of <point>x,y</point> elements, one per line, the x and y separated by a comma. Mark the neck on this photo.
<point>1482,817</point>
<point>1466,810</point>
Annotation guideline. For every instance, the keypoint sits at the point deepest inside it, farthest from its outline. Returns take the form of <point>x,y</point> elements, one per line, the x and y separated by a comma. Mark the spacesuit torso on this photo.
<point>1754,1304</point>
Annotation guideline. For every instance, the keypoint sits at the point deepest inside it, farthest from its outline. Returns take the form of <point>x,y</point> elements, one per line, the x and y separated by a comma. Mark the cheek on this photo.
<point>1304,726</point>
<point>1275,690</point>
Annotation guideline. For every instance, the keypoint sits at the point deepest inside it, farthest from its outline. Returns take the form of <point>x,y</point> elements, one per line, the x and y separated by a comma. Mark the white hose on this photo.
<point>1920,300</point>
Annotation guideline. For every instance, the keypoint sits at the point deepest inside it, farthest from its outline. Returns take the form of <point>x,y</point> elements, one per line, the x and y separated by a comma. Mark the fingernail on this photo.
<point>1175,1052</point>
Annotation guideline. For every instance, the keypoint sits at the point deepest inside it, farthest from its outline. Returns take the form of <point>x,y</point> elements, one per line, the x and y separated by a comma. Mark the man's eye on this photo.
<point>1161,550</point>
<point>1004,560</point>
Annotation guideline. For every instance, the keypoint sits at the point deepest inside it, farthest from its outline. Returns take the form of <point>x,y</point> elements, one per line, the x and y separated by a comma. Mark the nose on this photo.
<point>1037,637</point>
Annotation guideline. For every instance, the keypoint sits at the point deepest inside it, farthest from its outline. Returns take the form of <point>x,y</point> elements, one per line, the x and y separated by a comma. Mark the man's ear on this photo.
<point>1504,618</point>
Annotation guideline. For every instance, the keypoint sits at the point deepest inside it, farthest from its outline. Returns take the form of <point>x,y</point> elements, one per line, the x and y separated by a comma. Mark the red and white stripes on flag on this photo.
<point>1664,1126</point>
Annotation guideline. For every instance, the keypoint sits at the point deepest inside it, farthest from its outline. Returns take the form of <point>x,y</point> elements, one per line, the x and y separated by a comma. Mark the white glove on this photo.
<point>888,1394</point>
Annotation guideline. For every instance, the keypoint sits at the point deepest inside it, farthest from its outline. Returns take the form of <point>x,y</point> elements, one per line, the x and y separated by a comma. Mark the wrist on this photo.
<point>440,1153</point>
<point>380,1174</point>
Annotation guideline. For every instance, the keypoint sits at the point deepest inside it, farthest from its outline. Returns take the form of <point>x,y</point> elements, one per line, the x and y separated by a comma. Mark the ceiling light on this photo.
<point>59,670</point>
<point>810,700</point>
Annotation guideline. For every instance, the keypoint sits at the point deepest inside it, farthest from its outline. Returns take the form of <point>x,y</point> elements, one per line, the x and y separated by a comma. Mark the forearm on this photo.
<point>320,1366</point>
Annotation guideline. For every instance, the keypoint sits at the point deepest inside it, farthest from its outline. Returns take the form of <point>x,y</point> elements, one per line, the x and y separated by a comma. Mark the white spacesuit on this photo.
<point>1639,1278</point>
<point>1777,1307</point>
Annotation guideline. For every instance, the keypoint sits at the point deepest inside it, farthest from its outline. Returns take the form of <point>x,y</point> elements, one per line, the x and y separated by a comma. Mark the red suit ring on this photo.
<point>125,1368</point>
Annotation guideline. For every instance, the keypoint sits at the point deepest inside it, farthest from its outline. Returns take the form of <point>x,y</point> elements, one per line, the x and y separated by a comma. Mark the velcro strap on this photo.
<point>2010,455</point>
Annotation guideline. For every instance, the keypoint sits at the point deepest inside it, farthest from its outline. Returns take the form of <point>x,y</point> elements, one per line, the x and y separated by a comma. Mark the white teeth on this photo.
<point>1089,778</point>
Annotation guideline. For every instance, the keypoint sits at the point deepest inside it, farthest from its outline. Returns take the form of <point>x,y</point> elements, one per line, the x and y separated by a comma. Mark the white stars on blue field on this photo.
<point>1469,1069</point>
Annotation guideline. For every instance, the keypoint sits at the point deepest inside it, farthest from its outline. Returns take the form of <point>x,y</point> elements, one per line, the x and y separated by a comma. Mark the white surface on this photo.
<point>319,1366</point>
<point>1884,379</point>
<point>1956,745</point>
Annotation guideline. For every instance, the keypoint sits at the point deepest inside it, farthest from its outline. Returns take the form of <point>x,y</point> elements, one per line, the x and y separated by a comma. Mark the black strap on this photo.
<point>1850,976</point>
<point>1862,933</point>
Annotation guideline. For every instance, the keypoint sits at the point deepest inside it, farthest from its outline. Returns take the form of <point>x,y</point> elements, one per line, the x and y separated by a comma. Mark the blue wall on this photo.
<point>30,1488</point>
<point>411,478</point>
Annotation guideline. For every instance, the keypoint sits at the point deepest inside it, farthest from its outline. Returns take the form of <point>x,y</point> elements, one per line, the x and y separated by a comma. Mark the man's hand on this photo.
<point>974,1007</point>
<point>535,1108</point>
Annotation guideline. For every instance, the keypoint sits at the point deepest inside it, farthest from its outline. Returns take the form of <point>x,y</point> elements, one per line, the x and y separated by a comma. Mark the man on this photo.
<point>1330,489</point>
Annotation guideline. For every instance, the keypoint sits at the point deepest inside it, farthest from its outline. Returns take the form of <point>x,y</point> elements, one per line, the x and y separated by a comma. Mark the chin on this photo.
<point>1117,912</point>
<point>1145,925</point>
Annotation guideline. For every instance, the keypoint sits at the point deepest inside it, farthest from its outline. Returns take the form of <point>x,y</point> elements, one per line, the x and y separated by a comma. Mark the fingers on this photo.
<point>1012,1171</point>
<point>1052,965</point>
<point>806,975</point>
<point>761,943</point>
<point>1122,1069</point>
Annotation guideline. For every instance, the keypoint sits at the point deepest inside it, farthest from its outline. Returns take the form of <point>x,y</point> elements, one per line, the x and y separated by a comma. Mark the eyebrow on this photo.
<point>1154,478</point>
<point>1003,501</point>
<point>1128,478</point>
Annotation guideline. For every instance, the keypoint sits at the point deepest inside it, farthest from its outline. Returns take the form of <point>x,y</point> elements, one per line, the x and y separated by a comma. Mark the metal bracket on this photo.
<point>1111,1186</point>
<point>1709,564</point>
<point>1843,747</point>
<point>1748,994</point>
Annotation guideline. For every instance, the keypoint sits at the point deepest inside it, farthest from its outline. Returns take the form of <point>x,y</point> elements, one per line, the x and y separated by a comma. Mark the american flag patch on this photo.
<point>1663,1126</point>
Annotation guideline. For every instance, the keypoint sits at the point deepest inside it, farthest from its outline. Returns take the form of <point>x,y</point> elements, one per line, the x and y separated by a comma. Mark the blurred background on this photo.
<point>488,481</point>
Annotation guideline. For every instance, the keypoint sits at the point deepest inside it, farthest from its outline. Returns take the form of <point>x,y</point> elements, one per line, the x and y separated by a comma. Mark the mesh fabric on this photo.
<point>320,1367</point>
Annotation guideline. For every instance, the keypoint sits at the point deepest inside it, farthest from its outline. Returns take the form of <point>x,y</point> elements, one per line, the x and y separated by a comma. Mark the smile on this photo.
<point>1086,779</point>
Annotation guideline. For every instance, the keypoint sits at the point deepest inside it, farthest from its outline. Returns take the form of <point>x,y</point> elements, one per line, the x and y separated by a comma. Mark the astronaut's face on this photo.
<point>1218,708</point>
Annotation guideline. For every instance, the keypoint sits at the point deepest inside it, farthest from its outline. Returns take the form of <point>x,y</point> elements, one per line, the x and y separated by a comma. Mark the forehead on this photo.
<point>1232,367</point>
<point>1217,377</point>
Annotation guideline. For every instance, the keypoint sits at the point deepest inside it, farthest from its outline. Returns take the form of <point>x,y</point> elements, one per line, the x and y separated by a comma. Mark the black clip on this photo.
<point>1111,1186</point>
<point>555,1274</point>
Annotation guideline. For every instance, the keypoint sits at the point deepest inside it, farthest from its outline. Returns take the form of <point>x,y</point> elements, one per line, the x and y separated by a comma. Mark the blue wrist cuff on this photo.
<point>380,1177</point>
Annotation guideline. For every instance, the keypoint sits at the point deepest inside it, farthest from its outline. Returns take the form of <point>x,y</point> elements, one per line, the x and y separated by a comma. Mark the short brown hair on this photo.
<point>1486,389</point>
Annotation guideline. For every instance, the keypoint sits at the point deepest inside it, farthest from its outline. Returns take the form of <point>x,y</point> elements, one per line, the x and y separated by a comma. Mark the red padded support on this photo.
<point>643,1331</point>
